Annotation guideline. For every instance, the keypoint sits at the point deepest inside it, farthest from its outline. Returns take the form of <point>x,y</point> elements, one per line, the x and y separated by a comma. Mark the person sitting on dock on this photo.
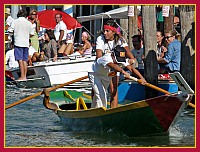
<point>49,50</point>
<point>10,58</point>
<point>171,60</point>
<point>87,46</point>
<point>161,44</point>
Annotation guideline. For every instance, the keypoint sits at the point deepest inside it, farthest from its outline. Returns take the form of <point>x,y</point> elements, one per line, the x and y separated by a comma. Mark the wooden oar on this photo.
<point>49,89</point>
<point>150,85</point>
<point>156,88</point>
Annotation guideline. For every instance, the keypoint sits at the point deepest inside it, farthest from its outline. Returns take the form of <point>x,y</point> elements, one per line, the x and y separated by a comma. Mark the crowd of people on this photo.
<point>26,47</point>
<point>59,43</point>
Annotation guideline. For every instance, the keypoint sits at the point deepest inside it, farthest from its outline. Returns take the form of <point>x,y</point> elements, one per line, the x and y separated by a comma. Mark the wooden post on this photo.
<point>132,26</point>
<point>151,64</point>
<point>187,18</point>
<point>169,21</point>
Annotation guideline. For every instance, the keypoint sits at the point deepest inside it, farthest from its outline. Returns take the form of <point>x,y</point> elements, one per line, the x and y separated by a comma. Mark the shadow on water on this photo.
<point>117,139</point>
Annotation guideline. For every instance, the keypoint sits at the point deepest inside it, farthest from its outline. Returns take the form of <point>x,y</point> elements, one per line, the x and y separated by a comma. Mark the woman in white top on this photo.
<point>86,43</point>
<point>98,75</point>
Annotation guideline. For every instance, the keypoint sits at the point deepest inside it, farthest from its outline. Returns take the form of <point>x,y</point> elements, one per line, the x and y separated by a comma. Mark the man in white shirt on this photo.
<point>8,18</point>
<point>60,30</point>
<point>22,30</point>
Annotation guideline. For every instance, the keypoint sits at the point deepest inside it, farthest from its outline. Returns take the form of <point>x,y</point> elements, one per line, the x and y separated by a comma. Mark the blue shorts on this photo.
<point>21,53</point>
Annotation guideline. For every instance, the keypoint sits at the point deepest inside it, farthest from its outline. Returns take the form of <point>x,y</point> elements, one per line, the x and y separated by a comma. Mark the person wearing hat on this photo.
<point>107,60</point>
<point>8,18</point>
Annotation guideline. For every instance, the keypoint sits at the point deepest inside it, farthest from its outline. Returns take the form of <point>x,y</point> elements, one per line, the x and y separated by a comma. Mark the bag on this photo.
<point>120,54</point>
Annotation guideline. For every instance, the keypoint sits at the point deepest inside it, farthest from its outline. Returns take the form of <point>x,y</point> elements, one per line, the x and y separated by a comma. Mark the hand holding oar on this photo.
<point>49,89</point>
<point>150,85</point>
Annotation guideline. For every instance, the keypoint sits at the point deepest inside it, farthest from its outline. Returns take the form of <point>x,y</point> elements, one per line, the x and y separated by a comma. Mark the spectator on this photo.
<point>36,28</point>
<point>8,22</point>
<point>138,52</point>
<point>86,44</point>
<point>49,49</point>
<point>161,43</point>
<point>22,30</point>
<point>171,61</point>
<point>60,30</point>
<point>8,18</point>
<point>10,58</point>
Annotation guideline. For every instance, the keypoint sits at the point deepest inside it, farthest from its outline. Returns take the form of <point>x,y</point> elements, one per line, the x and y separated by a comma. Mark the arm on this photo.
<point>129,55</point>
<point>61,36</point>
<point>117,68</point>
<point>54,49</point>
<point>99,53</point>
<point>7,57</point>
<point>161,60</point>
<point>167,57</point>
<point>133,70</point>
<point>38,25</point>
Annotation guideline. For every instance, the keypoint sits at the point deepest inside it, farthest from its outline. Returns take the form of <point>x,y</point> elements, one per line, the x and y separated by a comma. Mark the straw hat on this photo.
<point>7,11</point>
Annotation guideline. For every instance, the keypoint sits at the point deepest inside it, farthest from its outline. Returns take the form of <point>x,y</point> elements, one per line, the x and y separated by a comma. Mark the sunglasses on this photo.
<point>33,14</point>
<point>167,37</point>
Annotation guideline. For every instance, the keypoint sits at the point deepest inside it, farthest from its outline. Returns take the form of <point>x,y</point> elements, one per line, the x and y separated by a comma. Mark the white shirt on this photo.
<point>107,47</point>
<point>22,29</point>
<point>100,66</point>
<point>60,26</point>
<point>10,59</point>
<point>9,20</point>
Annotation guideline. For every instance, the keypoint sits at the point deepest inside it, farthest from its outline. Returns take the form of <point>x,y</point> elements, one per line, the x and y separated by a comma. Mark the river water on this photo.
<point>30,124</point>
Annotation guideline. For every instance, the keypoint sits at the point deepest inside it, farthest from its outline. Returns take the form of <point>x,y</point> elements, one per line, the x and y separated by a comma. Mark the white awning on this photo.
<point>119,13</point>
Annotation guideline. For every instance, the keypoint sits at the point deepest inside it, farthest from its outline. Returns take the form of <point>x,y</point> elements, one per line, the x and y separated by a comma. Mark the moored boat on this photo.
<point>48,73</point>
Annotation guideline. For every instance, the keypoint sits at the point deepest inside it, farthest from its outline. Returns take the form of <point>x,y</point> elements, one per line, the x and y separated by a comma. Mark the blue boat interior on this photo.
<point>127,92</point>
<point>132,91</point>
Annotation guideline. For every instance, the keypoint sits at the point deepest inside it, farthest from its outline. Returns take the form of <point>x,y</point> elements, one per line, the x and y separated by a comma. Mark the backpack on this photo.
<point>119,54</point>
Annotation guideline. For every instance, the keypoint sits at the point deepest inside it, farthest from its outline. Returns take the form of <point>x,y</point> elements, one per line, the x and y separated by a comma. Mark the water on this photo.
<point>31,125</point>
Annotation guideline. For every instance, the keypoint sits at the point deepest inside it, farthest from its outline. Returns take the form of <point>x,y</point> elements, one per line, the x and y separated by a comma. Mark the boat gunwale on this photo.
<point>94,112</point>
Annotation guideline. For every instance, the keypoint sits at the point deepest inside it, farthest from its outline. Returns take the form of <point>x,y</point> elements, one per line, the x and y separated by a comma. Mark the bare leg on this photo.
<point>35,57</point>
<point>69,49</point>
<point>25,69</point>
<point>62,48</point>
<point>21,66</point>
<point>113,92</point>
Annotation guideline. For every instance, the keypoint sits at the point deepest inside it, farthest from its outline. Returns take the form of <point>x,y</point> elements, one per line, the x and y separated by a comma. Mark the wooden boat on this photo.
<point>48,73</point>
<point>133,118</point>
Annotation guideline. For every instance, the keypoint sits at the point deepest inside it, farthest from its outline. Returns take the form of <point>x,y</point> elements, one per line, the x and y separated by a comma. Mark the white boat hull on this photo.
<point>46,74</point>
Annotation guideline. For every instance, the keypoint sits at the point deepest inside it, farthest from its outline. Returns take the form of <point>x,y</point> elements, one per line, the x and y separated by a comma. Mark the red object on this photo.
<point>47,19</point>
